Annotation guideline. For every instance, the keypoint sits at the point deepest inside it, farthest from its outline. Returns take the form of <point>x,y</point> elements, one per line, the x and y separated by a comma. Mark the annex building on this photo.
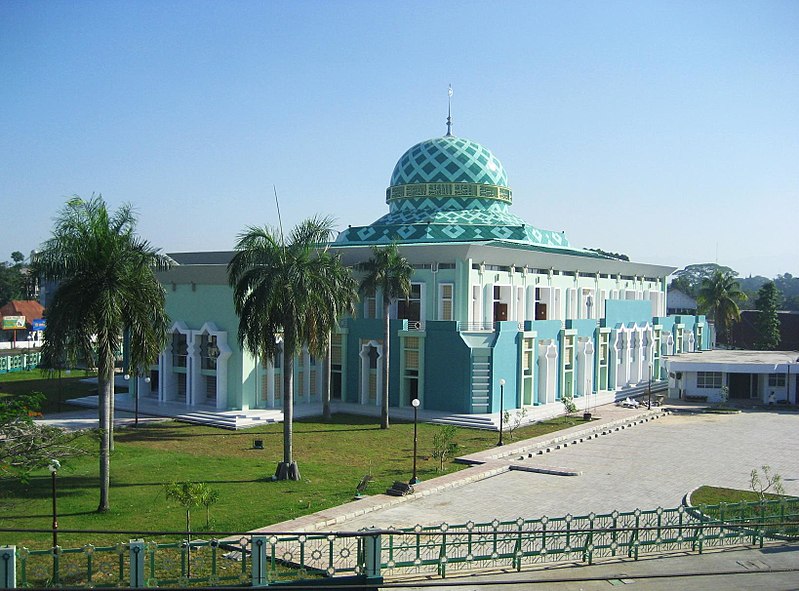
<point>493,298</point>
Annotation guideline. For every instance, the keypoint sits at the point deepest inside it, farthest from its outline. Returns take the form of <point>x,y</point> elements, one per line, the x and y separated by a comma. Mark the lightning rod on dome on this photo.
<point>449,111</point>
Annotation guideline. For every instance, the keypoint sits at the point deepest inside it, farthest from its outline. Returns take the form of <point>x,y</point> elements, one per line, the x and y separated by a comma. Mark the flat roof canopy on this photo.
<point>733,361</point>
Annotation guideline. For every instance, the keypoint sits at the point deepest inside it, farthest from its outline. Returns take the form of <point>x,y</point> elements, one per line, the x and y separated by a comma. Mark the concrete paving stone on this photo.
<point>648,467</point>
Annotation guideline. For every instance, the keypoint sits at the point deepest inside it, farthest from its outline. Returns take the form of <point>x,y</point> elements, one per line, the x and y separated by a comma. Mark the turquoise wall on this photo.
<point>584,328</point>
<point>447,364</point>
<point>504,364</point>
<point>627,311</point>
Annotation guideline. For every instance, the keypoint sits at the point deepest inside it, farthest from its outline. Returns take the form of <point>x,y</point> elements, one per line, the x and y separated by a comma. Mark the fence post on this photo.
<point>8,567</point>
<point>258,561</point>
<point>136,551</point>
<point>371,554</point>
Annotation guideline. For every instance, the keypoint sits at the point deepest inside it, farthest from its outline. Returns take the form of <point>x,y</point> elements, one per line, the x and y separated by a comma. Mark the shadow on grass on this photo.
<point>173,430</point>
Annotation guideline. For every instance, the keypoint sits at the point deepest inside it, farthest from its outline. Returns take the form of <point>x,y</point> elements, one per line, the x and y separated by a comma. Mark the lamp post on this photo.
<point>501,409</point>
<point>54,466</point>
<point>415,404</point>
<point>133,388</point>
<point>136,407</point>
<point>649,388</point>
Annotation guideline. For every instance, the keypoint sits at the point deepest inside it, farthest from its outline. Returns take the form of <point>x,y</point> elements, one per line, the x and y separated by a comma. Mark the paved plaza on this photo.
<point>653,464</point>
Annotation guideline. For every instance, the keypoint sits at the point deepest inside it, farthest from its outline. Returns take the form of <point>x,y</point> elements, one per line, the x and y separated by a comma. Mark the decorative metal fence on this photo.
<point>248,559</point>
<point>260,559</point>
<point>514,544</point>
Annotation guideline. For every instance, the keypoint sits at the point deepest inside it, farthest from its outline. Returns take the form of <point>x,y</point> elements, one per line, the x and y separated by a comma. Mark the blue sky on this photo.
<point>668,131</point>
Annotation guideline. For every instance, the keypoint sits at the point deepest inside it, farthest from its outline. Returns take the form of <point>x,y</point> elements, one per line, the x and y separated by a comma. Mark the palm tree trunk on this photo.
<point>386,369</point>
<point>326,414</point>
<point>111,394</point>
<point>287,469</point>
<point>104,377</point>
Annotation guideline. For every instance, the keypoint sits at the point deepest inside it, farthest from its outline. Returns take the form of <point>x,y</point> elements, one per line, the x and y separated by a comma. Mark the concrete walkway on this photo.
<point>652,461</point>
<point>74,420</point>
<point>653,464</point>
<point>773,568</point>
<point>489,463</point>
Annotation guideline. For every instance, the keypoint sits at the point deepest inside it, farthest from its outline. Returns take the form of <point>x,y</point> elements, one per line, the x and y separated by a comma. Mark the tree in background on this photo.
<point>390,272</point>
<point>290,287</point>
<point>689,280</point>
<point>718,298</point>
<point>768,322</point>
<point>106,285</point>
<point>788,286</point>
<point>13,279</point>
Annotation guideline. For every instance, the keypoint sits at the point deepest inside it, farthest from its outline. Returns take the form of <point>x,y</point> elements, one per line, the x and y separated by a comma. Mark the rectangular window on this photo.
<point>527,357</point>
<point>209,351</point>
<point>708,379</point>
<point>568,353</point>
<point>336,368</point>
<point>541,301</point>
<point>776,380</point>
<point>446,300</point>
<point>411,368</point>
<point>411,308</point>
<point>180,349</point>
<point>370,305</point>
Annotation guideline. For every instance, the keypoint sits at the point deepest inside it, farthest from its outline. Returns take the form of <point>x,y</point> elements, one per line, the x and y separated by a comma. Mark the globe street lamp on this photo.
<point>415,404</point>
<point>650,386</point>
<point>501,409</point>
<point>54,467</point>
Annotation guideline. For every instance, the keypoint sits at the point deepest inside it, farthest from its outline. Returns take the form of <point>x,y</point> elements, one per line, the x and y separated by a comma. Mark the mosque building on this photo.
<point>500,312</point>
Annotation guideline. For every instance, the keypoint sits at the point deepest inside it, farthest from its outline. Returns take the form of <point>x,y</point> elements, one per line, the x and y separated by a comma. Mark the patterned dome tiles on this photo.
<point>449,159</point>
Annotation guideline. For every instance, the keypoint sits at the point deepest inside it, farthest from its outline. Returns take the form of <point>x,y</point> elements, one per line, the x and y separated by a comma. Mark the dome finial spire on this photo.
<point>449,112</point>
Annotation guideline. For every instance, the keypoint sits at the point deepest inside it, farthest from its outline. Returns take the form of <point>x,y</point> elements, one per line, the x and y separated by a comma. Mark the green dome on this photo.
<point>449,159</point>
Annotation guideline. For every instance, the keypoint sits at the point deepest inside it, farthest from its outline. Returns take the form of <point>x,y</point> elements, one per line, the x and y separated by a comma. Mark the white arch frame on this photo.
<point>210,329</point>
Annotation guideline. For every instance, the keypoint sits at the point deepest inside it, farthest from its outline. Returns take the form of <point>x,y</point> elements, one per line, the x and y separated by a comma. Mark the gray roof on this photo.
<point>734,361</point>
<point>677,300</point>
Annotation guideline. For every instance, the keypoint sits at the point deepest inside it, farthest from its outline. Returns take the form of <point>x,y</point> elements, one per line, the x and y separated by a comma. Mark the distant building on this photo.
<point>25,333</point>
<point>761,376</point>
<point>745,333</point>
<point>678,302</point>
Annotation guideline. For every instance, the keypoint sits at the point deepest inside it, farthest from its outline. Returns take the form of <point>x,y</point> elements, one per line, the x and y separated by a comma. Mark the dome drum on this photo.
<point>480,191</point>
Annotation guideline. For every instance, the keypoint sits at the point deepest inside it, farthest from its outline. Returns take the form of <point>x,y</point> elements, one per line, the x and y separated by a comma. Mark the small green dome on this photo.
<point>449,159</point>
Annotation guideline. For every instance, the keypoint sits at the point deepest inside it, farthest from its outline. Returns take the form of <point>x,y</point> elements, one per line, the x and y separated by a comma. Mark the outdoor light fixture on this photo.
<point>650,386</point>
<point>415,404</point>
<point>54,466</point>
<point>501,409</point>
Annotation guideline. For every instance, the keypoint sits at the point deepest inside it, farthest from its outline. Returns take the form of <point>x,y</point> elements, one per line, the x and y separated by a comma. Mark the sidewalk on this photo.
<point>485,464</point>
<point>74,420</point>
<point>772,568</point>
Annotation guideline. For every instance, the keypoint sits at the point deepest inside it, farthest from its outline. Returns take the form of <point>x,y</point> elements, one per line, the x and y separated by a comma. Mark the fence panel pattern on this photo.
<point>435,550</point>
<point>513,544</point>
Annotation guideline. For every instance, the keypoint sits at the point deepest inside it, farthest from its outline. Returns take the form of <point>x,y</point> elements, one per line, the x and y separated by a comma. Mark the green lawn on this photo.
<point>332,458</point>
<point>714,495</point>
<point>743,506</point>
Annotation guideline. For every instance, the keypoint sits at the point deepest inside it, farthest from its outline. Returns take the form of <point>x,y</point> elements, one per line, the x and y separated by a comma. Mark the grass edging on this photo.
<point>693,511</point>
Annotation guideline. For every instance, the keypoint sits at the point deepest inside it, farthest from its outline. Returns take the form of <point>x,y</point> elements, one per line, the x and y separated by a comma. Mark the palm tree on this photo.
<point>291,287</point>
<point>390,272</point>
<point>718,297</point>
<point>106,285</point>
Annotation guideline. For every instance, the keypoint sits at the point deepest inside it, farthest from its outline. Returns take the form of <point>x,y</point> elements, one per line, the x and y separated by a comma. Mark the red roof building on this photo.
<point>30,309</point>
